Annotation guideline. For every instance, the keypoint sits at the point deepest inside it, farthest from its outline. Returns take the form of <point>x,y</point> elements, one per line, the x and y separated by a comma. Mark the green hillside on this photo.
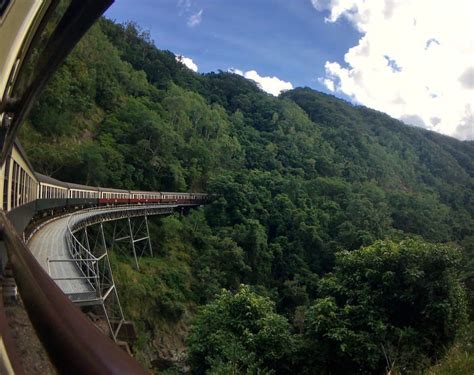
<point>335,216</point>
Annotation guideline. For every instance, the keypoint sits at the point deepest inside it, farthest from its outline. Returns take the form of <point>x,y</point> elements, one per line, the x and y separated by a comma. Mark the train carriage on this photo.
<point>145,196</point>
<point>171,198</point>
<point>113,196</point>
<point>51,188</point>
<point>19,181</point>
<point>77,191</point>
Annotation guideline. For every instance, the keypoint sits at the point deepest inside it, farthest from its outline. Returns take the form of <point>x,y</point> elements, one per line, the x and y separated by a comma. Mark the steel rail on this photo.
<point>73,343</point>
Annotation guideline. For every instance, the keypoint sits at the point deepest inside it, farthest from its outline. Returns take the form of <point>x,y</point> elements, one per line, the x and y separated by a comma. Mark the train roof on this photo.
<point>22,152</point>
<point>50,180</point>
<point>144,192</point>
<point>114,190</point>
<point>174,192</point>
<point>81,187</point>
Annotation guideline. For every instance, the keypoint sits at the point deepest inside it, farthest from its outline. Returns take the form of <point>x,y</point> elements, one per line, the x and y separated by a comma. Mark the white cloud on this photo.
<point>184,5</point>
<point>195,19</point>
<point>188,62</point>
<point>271,85</point>
<point>414,61</point>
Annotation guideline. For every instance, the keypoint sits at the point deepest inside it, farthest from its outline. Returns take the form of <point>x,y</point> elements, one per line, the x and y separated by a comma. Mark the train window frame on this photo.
<point>5,6</point>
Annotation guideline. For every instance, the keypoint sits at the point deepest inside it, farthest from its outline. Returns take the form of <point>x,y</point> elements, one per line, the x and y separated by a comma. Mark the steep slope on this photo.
<point>298,177</point>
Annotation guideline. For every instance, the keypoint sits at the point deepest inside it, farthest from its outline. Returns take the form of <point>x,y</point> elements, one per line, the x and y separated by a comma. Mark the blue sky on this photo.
<point>288,39</point>
<point>391,55</point>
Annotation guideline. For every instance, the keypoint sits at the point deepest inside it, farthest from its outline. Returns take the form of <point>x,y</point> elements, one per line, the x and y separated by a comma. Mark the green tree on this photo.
<point>389,304</point>
<point>240,333</point>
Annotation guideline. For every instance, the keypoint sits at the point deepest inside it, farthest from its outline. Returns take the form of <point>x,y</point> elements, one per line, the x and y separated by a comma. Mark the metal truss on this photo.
<point>87,245</point>
<point>135,231</point>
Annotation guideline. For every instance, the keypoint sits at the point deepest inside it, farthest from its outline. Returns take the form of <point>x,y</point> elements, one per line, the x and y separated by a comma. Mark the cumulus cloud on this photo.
<point>465,129</point>
<point>413,61</point>
<point>467,78</point>
<point>188,62</point>
<point>272,85</point>
<point>195,19</point>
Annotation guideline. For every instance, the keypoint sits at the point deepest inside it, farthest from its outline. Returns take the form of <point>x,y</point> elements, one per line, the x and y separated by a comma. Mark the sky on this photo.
<point>413,59</point>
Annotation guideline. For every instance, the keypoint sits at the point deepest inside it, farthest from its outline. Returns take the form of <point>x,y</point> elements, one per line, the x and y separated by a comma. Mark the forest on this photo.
<point>339,240</point>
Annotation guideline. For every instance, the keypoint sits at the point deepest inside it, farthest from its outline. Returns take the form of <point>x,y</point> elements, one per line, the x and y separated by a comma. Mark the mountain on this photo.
<point>298,178</point>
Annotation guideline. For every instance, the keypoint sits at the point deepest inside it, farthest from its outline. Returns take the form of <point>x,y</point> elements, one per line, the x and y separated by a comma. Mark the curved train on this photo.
<point>30,50</point>
<point>50,188</point>
<point>20,185</point>
<point>35,37</point>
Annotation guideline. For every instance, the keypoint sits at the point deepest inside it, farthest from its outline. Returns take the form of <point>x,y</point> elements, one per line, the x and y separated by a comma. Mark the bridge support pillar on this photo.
<point>137,232</point>
<point>90,254</point>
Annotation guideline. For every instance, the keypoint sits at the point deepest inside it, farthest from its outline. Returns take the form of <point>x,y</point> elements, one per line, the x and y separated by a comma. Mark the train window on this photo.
<point>20,187</point>
<point>23,187</point>
<point>21,184</point>
<point>4,6</point>
<point>5,184</point>
<point>13,187</point>
<point>27,189</point>
<point>29,195</point>
<point>34,62</point>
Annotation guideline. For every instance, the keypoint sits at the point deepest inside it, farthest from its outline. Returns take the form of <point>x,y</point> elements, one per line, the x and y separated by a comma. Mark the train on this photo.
<point>32,49</point>
<point>50,188</point>
<point>20,185</point>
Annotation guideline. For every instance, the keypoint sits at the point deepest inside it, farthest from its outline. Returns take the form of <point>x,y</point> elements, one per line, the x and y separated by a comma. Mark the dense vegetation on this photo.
<point>344,223</point>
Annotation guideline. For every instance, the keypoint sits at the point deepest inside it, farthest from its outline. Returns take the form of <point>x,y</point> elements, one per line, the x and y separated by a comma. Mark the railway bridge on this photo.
<point>52,235</point>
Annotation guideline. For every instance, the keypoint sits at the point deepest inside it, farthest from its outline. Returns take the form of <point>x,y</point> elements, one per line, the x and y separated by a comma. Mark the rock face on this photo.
<point>170,347</point>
